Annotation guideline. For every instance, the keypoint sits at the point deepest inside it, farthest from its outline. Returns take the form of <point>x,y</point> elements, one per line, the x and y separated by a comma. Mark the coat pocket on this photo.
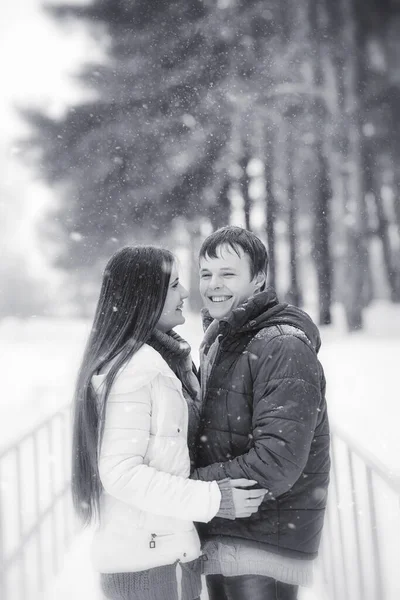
<point>162,525</point>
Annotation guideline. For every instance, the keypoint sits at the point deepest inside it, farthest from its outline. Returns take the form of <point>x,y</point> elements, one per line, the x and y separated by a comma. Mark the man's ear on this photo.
<point>260,280</point>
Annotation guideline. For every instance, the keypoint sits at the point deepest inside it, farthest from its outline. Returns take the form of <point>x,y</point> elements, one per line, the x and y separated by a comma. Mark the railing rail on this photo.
<point>360,542</point>
<point>36,517</point>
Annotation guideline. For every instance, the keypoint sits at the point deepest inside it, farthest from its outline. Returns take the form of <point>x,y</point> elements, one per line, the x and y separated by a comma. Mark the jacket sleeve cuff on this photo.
<point>214,472</point>
<point>227,507</point>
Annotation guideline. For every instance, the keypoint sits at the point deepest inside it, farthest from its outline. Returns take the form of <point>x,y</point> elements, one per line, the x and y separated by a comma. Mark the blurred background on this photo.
<point>148,121</point>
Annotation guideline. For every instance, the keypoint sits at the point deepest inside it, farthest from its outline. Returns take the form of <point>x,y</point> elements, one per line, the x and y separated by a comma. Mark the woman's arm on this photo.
<point>125,476</point>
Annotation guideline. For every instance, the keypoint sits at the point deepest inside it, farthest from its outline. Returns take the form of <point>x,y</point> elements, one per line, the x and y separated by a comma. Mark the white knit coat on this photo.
<point>148,505</point>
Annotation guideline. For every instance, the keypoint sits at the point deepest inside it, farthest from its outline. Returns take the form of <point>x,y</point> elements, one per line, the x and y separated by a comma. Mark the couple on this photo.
<point>245,454</point>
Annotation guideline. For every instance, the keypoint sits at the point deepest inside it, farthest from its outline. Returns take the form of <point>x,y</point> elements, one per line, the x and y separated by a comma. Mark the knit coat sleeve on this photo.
<point>123,471</point>
<point>286,399</point>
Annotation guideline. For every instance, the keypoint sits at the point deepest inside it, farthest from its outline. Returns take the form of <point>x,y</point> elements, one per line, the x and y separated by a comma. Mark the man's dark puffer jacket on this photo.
<point>265,418</point>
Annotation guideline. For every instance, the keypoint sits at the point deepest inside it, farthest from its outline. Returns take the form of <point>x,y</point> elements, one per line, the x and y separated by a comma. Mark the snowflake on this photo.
<point>75,236</point>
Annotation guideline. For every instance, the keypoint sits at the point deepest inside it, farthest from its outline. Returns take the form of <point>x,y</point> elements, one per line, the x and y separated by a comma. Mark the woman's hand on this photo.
<point>246,501</point>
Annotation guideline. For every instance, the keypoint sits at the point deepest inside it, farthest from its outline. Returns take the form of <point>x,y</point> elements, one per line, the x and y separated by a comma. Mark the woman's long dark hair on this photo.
<point>132,297</point>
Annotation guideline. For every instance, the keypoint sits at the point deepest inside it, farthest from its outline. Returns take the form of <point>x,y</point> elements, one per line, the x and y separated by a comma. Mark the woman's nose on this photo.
<point>184,293</point>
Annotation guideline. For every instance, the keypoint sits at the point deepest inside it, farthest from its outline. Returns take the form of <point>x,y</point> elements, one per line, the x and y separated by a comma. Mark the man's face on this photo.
<point>226,282</point>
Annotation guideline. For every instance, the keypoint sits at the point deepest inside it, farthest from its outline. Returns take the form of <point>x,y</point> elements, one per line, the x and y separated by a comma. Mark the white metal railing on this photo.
<point>36,517</point>
<point>362,532</point>
<point>359,547</point>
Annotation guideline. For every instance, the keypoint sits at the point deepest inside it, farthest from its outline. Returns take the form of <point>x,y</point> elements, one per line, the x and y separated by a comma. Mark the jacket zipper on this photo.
<point>152,543</point>
<point>212,371</point>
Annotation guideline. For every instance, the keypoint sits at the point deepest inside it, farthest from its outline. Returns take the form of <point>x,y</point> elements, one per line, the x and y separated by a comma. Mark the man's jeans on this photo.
<point>249,587</point>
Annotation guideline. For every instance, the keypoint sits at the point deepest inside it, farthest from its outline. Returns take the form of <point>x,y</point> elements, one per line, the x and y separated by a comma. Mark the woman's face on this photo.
<point>172,312</point>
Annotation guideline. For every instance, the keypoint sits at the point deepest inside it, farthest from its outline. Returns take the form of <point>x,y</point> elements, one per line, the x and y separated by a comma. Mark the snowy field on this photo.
<point>40,359</point>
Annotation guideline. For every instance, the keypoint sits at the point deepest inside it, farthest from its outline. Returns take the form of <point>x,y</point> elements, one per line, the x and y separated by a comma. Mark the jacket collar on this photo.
<point>245,315</point>
<point>259,311</point>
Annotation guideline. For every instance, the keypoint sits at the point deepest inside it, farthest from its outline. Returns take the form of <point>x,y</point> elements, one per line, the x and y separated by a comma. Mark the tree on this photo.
<point>270,204</point>
<point>169,130</point>
<point>321,204</point>
<point>143,151</point>
<point>293,295</point>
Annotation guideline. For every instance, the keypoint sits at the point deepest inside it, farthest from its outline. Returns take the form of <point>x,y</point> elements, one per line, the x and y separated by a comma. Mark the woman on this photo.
<point>130,452</point>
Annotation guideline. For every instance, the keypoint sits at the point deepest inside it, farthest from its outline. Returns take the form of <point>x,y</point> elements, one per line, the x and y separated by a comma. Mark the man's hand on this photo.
<point>246,501</point>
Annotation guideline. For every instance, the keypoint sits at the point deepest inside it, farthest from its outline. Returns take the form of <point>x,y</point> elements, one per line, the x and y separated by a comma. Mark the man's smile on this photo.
<point>219,298</point>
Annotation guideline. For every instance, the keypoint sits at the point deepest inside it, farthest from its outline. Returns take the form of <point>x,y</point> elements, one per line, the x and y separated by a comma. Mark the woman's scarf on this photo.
<point>176,353</point>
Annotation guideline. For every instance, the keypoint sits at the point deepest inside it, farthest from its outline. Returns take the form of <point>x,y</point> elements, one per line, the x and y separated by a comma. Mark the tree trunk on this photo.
<point>270,206</point>
<point>396,201</point>
<point>293,295</point>
<point>220,213</point>
<point>244,188</point>
<point>382,229</point>
<point>195,300</point>
<point>319,23</point>
<point>393,277</point>
<point>321,234</point>
<point>354,196</point>
<point>355,259</point>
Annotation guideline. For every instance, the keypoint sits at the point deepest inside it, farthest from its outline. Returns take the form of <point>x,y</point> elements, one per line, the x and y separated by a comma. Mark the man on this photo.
<point>263,418</point>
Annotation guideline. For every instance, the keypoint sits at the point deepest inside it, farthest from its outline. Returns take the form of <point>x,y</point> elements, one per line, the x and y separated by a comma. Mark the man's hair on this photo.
<point>237,237</point>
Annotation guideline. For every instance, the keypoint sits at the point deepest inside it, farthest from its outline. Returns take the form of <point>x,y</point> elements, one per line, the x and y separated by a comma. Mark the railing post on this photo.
<point>54,557</point>
<point>379,587</point>
<point>345,590</point>
<point>65,471</point>
<point>22,567</point>
<point>3,582</point>
<point>38,487</point>
<point>356,526</point>
<point>332,564</point>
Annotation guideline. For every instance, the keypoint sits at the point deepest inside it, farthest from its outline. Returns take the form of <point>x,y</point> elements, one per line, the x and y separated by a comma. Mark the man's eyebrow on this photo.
<point>221,269</point>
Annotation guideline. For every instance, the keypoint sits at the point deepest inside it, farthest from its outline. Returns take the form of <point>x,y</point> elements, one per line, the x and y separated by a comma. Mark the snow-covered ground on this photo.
<point>40,358</point>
